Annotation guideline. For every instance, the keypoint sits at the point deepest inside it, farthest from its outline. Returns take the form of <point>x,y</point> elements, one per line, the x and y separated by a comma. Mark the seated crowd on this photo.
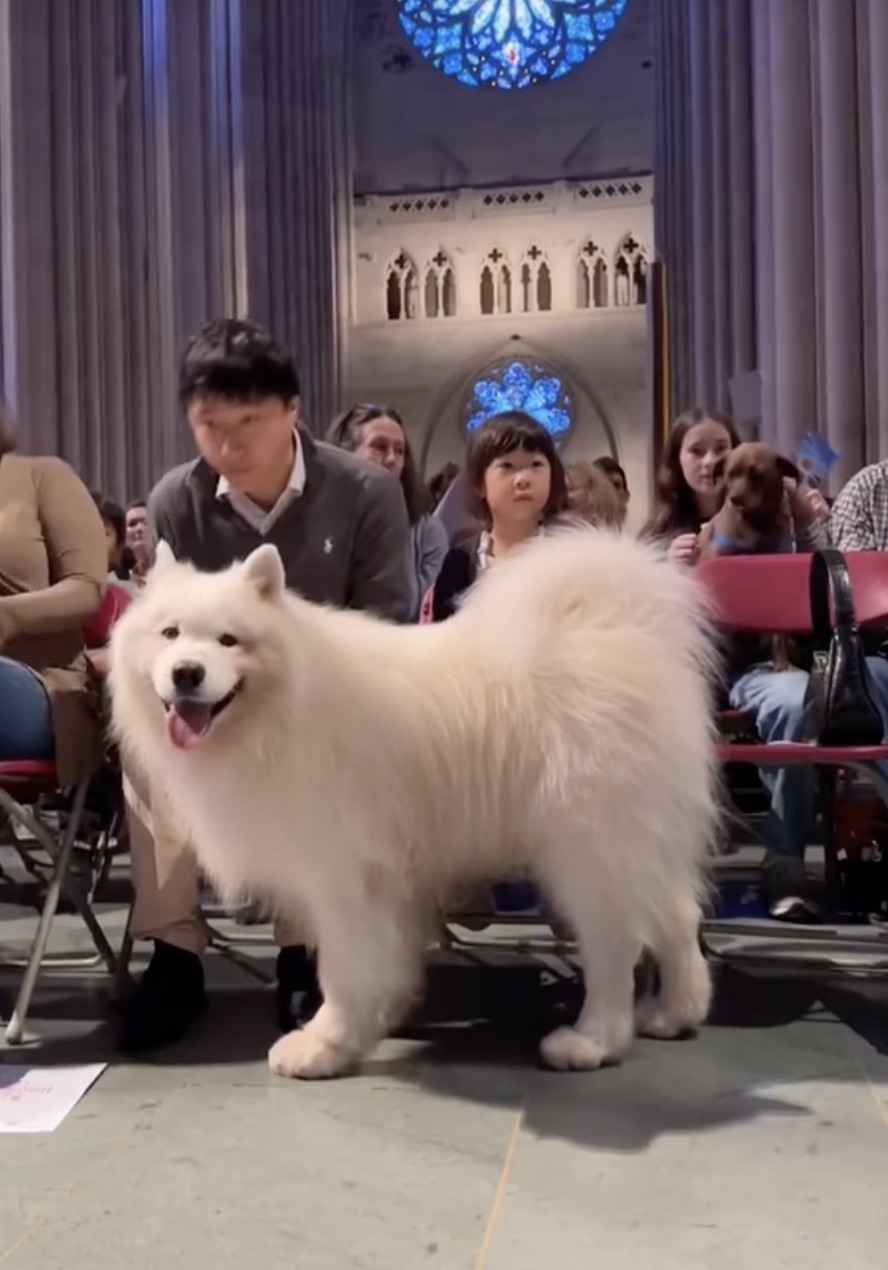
<point>351,536</point>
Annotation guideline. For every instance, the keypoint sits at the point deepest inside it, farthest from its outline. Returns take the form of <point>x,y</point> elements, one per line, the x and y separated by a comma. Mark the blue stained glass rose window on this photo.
<point>521,385</point>
<point>508,43</point>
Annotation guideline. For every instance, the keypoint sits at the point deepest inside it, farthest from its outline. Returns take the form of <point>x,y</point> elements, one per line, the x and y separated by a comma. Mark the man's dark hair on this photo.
<point>239,360</point>
<point>502,435</point>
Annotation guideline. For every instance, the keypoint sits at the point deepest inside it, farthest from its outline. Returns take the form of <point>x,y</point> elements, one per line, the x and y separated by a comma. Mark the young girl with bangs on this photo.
<point>517,489</point>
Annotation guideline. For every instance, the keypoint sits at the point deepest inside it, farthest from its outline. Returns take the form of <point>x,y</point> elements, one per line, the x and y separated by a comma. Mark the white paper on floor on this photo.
<point>37,1099</point>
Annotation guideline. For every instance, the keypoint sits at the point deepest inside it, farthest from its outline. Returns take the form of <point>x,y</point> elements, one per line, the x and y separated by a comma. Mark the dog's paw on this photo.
<point>567,1050</point>
<point>656,1024</point>
<point>306,1056</point>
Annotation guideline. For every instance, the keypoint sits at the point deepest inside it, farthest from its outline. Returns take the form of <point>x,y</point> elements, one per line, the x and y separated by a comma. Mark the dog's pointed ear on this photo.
<point>265,570</point>
<point>164,557</point>
<point>787,468</point>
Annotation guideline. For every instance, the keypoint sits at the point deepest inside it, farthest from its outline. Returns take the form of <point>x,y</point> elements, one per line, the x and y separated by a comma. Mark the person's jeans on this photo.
<point>775,700</point>
<point>25,715</point>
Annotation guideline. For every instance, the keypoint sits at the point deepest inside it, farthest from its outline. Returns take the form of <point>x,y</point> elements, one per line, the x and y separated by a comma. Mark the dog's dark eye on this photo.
<point>170,632</point>
<point>229,641</point>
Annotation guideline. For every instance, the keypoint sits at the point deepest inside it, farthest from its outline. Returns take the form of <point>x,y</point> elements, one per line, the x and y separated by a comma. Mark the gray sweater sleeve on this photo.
<point>165,503</point>
<point>379,576</point>
<point>429,545</point>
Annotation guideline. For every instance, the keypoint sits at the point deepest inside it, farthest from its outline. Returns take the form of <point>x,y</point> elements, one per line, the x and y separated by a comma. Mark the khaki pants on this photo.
<point>165,876</point>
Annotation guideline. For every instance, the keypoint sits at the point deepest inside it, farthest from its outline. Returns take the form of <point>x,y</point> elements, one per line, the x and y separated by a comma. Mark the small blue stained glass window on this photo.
<point>508,43</point>
<point>521,385</point>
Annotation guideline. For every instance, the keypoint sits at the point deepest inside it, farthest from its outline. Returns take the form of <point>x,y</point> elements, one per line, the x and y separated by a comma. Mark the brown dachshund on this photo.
<point>754,517</point>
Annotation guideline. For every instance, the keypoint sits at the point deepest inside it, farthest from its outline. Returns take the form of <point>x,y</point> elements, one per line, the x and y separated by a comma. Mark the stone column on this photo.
<point>295,164</point>
<point>873,72</point>
<point>703,194</point>
<point>704,264</point>
<point>790,185</point>
<point>838,232</point>
<point>672,193</point>
<point>27,307</point>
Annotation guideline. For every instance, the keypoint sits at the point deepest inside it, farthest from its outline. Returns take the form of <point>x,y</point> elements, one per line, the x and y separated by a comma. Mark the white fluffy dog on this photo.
<point>355,772</point>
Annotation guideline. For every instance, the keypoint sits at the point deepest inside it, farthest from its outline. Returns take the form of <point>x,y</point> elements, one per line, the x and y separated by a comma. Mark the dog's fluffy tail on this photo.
<point>607,581</point>
<point>634,633</point>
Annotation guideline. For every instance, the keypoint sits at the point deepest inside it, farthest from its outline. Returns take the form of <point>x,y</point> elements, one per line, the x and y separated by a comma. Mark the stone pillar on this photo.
<point>790,186</point>
<point>703,194</point>
<point>872,45</point>
<point>293,106</point>
<point>704,264</point>
<point>761,241</point>
<point>27,283</point>
<point>838,236</point>
<point>672,196</point>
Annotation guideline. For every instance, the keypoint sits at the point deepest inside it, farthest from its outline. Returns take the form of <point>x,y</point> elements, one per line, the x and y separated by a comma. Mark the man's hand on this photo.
<point>809,507</point>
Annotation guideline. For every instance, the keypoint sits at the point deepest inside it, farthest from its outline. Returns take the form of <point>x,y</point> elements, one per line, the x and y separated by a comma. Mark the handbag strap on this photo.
<point>830,577</point>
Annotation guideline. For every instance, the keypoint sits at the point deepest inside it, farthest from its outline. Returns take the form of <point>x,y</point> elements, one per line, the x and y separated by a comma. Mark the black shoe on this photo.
<point>166,1003</point>
<point>298,991</point>
<point>787,891</point>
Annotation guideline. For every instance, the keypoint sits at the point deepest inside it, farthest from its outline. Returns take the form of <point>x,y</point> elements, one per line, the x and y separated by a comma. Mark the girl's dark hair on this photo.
<point>502,435</point>
<point>675,507</point>
<point>345,433</point>
<point>440,483</point>
<point>7,434</point>
<point>114,517</point>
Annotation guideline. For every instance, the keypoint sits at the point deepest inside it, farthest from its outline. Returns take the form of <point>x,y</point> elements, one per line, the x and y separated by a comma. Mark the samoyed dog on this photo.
<point>356,773</point>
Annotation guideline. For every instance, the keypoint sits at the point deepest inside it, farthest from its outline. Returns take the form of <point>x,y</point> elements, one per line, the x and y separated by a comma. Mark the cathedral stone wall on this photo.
<point>462,196</point>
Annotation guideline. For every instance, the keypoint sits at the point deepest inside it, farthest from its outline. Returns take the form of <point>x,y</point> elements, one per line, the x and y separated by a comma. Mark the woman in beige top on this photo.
<point>53,562</point>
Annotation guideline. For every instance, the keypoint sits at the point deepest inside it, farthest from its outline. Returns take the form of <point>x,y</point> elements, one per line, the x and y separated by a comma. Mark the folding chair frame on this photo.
<point>39,779</point>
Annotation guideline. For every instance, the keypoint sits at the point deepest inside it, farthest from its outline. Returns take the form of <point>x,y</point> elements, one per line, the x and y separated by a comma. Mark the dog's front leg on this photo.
<point>370,961</point>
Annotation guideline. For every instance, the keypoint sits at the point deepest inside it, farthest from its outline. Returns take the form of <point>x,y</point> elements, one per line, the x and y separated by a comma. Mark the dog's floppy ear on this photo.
<point>786,467</point>
<point>164,557</point>
<point>265,570</point>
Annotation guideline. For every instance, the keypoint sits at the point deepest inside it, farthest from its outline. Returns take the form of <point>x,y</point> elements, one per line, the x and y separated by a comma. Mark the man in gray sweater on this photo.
<point>341,527</point>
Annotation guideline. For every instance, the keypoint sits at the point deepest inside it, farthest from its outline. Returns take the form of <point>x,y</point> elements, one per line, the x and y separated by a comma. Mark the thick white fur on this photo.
<point>558,725</point>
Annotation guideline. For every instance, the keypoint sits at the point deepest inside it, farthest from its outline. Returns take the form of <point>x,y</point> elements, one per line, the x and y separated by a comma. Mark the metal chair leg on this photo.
<point>15,1028</point>
<point>121,980</point>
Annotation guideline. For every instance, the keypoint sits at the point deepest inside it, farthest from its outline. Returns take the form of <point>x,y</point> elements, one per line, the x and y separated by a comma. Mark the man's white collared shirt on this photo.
<point>260,518</point>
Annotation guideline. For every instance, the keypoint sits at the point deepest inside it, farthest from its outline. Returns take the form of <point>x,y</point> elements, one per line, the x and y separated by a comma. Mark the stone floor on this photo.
<point>762,1144</point>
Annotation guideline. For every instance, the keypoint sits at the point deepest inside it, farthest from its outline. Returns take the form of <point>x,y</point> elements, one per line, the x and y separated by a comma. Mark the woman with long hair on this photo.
<point>377,434</point>
<point>688,482</point>
<point>121,558</point>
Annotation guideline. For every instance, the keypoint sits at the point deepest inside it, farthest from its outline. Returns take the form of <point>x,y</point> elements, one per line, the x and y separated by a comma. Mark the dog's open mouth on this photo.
<point>189,721</point>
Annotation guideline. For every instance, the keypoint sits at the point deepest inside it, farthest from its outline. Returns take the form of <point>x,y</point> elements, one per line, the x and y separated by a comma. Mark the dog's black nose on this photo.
<point>187,676</point>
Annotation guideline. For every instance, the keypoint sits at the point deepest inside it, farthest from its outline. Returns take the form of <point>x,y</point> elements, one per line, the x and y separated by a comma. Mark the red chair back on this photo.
<point>770,594</point>
<point>97,630</point>
<point>755,594</point>
<point>869,582</point>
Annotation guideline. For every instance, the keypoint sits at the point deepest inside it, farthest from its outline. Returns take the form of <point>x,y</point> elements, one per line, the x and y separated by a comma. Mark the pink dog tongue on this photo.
<point>188,722</point>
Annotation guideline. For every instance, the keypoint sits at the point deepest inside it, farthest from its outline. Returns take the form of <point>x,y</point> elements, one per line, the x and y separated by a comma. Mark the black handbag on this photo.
<point>840,702</point>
